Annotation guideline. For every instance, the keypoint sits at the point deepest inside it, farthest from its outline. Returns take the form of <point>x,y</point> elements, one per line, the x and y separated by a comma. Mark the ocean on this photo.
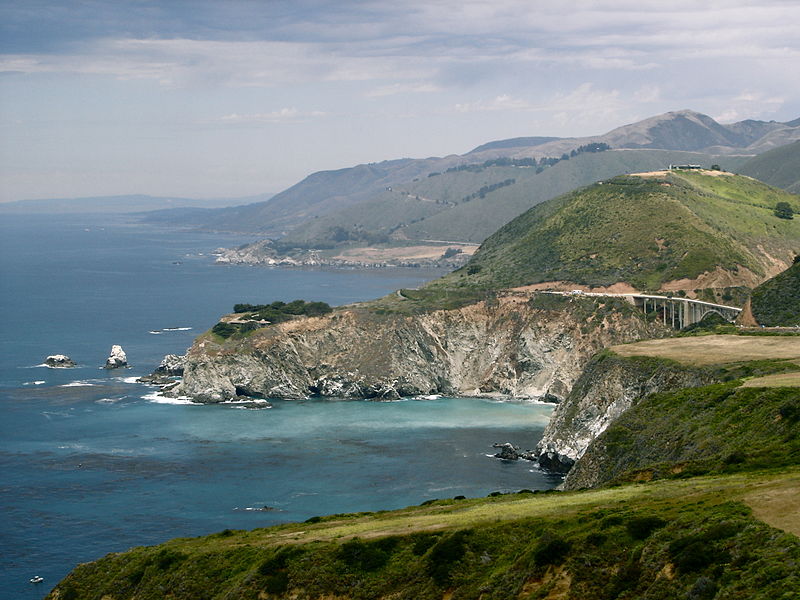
<point>92,462</point>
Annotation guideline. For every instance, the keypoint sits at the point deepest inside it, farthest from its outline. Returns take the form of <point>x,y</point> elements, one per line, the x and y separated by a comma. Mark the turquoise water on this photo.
<point>90,464</point>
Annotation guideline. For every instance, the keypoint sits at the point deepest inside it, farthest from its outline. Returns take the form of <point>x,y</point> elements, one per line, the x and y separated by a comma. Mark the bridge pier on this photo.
<point>681,312</point>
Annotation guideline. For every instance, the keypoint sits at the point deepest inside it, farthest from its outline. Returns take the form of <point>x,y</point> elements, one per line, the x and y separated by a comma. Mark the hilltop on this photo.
<point>668,231</point>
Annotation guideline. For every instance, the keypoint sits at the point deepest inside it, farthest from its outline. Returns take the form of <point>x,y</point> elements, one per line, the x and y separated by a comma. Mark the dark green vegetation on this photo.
<point>720,428</point>
<point>250,317</point>
<point>776,302</point>
<point>667,540</point>
<point>783,210</point>
<point>640,230</point>
<point>779,167</point>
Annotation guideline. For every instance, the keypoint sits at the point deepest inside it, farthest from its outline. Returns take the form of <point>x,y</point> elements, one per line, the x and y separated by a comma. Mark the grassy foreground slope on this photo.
<point>695,538</point>
<point>643,230</point>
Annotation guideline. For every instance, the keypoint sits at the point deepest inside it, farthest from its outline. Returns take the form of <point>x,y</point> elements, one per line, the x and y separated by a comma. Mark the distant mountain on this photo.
<point>674,230</point>
<point>520,142</point>
<point>779,167</point>
<point>326,193</point>
<point>118,204</point>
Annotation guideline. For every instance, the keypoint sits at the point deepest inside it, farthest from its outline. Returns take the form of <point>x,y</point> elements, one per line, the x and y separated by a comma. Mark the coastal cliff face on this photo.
<point>513,346</point>
<point>608,387</point>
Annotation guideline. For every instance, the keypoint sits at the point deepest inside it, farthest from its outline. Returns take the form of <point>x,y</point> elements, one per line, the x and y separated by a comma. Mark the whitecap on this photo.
<point>159,399</point>
<point>38,382</point>
<point>176,328</point>
<point>107,400</point>
<point>155,332</point>
<point>127,379</point>
<point>78,384</point>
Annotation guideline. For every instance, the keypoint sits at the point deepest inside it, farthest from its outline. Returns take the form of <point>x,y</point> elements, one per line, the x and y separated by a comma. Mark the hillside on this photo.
<point>326,192</point>
<point>779,167</point>
<point>776,303</point>
<point>679,230</point>
<point>674,539</point>
<point>450,205</point>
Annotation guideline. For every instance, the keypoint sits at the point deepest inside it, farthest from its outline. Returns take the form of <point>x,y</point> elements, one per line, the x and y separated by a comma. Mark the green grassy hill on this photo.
<point>779,167</point>
<point>664,540</point>
<point>776,303</point>
<point>642,230</point>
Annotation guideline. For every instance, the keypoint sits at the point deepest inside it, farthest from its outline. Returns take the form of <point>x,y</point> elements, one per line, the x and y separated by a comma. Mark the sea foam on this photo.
<point>157,398</point>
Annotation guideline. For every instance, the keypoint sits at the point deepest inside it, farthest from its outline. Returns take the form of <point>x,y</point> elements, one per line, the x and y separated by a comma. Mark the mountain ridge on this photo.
<point>324,192</point>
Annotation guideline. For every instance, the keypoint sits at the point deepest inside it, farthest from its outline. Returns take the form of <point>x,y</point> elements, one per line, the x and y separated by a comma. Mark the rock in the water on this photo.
<point>555,462</point>
<point>59,361</point>
<point>172,364</point>
<point>507,451</point>
<point>510,452</point>
<point>117,358</point>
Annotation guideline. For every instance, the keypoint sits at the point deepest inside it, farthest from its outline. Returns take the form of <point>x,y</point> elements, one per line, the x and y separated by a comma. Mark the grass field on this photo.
<point>716,349</point>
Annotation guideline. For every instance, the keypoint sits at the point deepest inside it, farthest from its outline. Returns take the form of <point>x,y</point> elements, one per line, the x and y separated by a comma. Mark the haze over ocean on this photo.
<point>90,464</point>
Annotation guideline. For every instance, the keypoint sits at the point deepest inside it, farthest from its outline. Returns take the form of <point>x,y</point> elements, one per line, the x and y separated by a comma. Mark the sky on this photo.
<point>231,98</point>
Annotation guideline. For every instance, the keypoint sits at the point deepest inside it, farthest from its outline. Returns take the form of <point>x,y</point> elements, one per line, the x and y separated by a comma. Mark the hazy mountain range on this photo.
<point>381,198</point>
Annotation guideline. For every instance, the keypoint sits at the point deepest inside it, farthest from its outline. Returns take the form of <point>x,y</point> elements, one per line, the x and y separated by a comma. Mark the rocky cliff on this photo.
<point>516,345</point>
<point>608,387</point>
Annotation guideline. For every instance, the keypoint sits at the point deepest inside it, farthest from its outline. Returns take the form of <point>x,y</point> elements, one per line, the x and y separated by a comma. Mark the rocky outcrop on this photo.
<point>509,451</point>
<point>59,361</point>
<point>608,387</point>
<point>508,346</point>
<point>171,366</point>
<point>117,359</point>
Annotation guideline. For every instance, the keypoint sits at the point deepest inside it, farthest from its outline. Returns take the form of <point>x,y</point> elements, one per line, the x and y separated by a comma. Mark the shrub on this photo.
<point>445,554</point>
<point>551,551</point>
<point>367,556</point>
<point>640,528</point>
<point>783,210</point>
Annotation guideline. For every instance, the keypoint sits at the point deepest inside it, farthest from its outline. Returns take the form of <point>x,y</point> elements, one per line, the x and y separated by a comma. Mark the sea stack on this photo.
<point>117,358</point>
<point>59,361</point>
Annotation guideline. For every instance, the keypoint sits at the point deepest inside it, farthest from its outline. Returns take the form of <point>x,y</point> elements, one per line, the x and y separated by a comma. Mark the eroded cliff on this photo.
<point>607,388</point>
<point>524,346</point>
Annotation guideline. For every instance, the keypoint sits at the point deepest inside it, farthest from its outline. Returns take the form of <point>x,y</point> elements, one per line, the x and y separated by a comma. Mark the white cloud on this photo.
<point>284,115</point>
<point>403,88</point>
<point>502,102</point>
<point>750,105</point>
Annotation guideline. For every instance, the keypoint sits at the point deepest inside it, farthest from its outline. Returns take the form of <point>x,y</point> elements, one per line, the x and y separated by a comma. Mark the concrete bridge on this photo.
<point>677,312</point>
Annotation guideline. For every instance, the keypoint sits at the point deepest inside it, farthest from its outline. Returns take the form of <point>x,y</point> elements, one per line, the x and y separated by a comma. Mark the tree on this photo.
<point>783,210</point>
<point>716,168</point>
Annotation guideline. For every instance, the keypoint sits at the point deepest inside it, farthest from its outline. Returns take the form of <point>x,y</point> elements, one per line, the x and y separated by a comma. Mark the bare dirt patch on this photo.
<point>566,286</point>
<point>715,349</point>
<point>718,278</point>
<point>777,504</point>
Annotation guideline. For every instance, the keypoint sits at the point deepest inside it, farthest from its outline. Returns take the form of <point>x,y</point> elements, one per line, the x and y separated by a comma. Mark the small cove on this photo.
<point>90,464</point>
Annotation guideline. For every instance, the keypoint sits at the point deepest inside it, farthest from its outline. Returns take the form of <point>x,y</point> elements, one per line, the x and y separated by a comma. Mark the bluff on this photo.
<point>515,344</point>
<point>606,389</point>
